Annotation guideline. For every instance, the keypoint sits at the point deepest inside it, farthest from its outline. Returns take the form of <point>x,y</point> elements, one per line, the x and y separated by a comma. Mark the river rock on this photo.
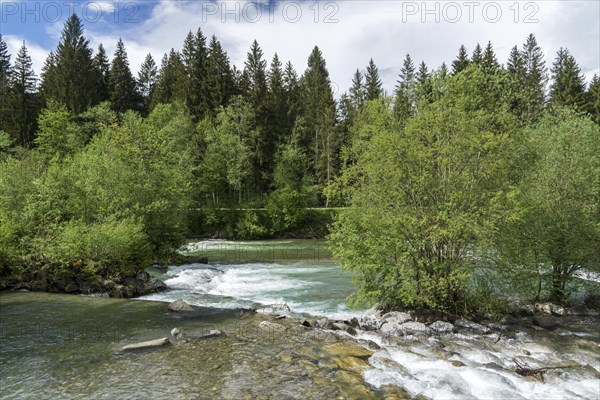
<point>549,308</point>
<point>345,327</point>
<point>211,334</point>
<point>306,323</point>
<point>146,345</point>
<point>371,319</point>
<point>582,311</point>
<point>180,306</point>
<point>397,317</point>
<point>546,321</point>
<point>175,333</point>
<point>391,329</point>
<point>414,328</point>
<point>71,288</point>
<point>271,326</point>
<point>442,327</point>
<point>471,327</point>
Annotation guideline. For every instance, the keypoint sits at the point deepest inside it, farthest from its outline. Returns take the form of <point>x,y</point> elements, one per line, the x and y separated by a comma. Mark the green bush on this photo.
<point>285,209</point>
<point>109,249</point>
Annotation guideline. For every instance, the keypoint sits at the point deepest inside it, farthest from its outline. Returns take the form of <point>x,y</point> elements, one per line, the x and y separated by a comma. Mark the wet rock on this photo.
<point>581,311</point>
<point>549,308</point>
<point>351,363</point>
<point>526,310</point>
<point>397,317</point>
<point>442,327</point>
<point>306,323</point>
<point>414,328</point>
<point>493,365</point>
<point>457,363</point>
<point>471,327</point>
<point>151,344</point>
<point>371,320</point>
<point>345,327</point>
<point>545,321</point>
<point>496,326</point>
<point>211,334</point>
<point>391,329</point>
<point>346,349</point>
<point>180,306</point>
<point>175,333</point>
<point>71,288</point>
<point>271,326</point>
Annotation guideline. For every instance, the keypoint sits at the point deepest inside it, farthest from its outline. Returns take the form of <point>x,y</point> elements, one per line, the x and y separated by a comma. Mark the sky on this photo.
<point>349,33</point>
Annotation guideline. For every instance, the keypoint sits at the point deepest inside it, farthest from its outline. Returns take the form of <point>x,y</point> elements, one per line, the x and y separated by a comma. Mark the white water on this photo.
<point>320,288</point>
<point>317,289</point>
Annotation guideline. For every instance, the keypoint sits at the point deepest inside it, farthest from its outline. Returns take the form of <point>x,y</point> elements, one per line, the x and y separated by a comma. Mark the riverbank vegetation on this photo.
<point>467,182</point>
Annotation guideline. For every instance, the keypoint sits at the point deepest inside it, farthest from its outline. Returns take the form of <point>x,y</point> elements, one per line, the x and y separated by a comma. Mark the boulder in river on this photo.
<point>151,344</point>
<point>442,327</point>
<point>414,328</point>
<point>180,306</point>
<point>549,308</point>
<point>471,327</point>
<point>345,327</point>
<point>397,317</point>
<point>546,321</point>
<point>176,333</point>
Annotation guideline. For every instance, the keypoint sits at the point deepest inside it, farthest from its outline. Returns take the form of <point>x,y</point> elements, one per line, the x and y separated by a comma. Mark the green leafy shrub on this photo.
<point>285,209</point>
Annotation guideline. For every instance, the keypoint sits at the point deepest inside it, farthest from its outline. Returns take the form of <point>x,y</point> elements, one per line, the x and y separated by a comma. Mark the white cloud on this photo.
<point>382,30</point>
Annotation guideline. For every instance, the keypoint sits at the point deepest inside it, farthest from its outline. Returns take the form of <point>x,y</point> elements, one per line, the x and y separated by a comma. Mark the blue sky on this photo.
<point>348,32</point>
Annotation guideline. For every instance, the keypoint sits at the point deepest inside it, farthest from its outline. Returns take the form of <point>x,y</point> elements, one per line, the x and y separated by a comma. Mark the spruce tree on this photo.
<point>593,99</point>
<point>5,69</point>
<point>220,84</point>
<point>146,81</point>
<point>489,62</point>
<point>404,99</point>
<point>277,102</point>
<point>102,70</point>
<point>477,57</point>
<point>423,84</point>
<point>568,86</point>
<point>462,61</point>
<point>171,80</point>
<point>373,85</point>
<point>264,145</point>
<point>319,117</point>
<point>121,84</point>
<point>357,91</point>
<point>517,76</point>
<point>73,81</point>
<point>22,99</point>
<point>292,94</point>
<point>536,79</point>
<point>195,59</point>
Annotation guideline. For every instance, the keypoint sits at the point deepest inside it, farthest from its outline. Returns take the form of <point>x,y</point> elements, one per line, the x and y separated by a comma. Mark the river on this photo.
<point>60,346</point>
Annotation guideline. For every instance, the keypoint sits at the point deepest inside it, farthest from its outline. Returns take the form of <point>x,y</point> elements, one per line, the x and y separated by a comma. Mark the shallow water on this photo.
<point>59,346</point>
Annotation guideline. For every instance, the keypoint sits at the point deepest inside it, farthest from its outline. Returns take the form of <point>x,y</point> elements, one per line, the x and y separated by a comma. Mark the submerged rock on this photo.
<point>271,326</point>
<point>546,321</point>
<point>180,306</point>
<point>146,345</point>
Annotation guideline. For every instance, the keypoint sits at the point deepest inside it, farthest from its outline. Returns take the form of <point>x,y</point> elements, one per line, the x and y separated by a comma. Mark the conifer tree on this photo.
<point>489,62</point>
<point>255,69</point>
<point>568,86</point>
<point>292,94</point>
<point>195,60</point>
<point>423,84</point>
<point>146,81</point>
<point>22,99</point>
<point>277,101</point>
<point>73,81</point>
<point>121,84</point>
<point>593,99</point>
<point>220,77</point>
<point>477,57</point>
<point>170,83</point>
<point>517,76</point>
<point>5,69</point>
<point>357,91</point>
<point>535,82</point>
<point>319,116</point>
<point>102,70</point>
<point>404,101</point>
<point>373,85</point>
<point>462,61</point>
